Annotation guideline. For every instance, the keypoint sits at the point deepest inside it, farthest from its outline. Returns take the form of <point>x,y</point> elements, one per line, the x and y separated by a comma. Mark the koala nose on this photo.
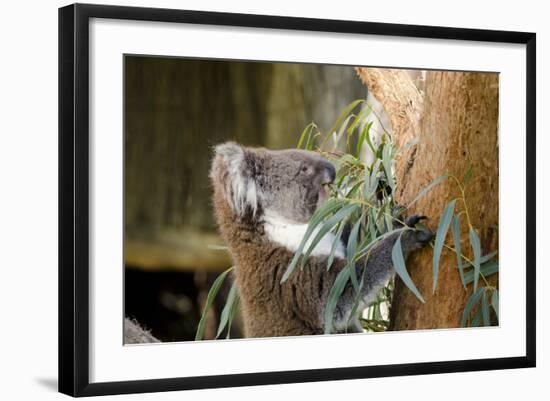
<point>329,172</point>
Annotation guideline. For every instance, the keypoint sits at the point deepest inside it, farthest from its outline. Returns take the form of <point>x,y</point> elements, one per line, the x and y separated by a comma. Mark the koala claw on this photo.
<point>411,221</point>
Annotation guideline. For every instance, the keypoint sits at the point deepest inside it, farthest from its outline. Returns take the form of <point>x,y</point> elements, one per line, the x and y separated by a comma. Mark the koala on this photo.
<point>263,200</point>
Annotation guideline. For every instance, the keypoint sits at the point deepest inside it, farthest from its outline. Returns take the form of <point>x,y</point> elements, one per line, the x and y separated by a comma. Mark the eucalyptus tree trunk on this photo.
<point>455,122</point>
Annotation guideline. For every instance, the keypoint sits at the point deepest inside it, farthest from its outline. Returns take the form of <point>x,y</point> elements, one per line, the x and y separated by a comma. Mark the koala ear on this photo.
<point>230,170</point>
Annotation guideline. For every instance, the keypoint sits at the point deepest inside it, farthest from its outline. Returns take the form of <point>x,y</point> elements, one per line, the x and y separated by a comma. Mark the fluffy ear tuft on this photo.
<point>231,173</point>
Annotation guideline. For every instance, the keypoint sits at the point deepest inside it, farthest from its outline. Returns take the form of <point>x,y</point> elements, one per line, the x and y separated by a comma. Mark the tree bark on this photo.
<point>456,128</point>
<point>403,104</point>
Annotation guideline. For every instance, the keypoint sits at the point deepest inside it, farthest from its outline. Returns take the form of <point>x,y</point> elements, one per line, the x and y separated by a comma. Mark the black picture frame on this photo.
<point>74,198</point>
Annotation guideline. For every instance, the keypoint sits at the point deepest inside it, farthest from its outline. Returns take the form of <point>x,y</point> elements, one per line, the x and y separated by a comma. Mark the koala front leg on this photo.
<point>379,265</point>
<point>377,268</point>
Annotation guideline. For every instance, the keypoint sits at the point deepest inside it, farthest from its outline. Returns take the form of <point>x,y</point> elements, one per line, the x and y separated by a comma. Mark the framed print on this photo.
<point>250,199</point>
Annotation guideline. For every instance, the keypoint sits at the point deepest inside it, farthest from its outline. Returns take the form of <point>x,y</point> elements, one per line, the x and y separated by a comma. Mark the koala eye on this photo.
<point>305,169</point>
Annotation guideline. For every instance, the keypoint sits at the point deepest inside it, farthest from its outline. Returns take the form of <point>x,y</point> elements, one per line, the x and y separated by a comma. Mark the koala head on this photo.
<point>288,184</point>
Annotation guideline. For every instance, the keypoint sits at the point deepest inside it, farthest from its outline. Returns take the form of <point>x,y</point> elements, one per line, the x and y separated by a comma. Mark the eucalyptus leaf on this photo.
<point>455,230</point>
<point>335,244</point>
<point>362,138</point>
<point>476,321</point>
<point>388,217</point>
<point>401,269</point>
<point>387,162</point>
<point>232,297</point>
<point>472,301</point>
<point>486,258</point>
<point>327,208</point>
<point>209,300</point>
<point>351,249</point>
<point>485,309</point>
<point>326,227</point>
<point>305,133</point>
<point>476,247</point>
<point>354,188</point>
<point>380,238</point>
<point>365,111</point>
<point>232,313</point>
<point>310,145</point>
<point>373,180</point>
<point>343,128</point>
<point>372,226</point>
<point>369,141</point>
<point>494,302</point>
<point>347,110</point>
<point>334,296</point>
<point>357,300</point>
<point>440,235</point>
<point>486,269</point>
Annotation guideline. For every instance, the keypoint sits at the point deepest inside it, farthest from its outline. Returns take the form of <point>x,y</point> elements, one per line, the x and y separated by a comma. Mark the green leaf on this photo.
<point>327,226</point>
<point>365,111</point>
<point>387,162</point>
<point>232,313</point>
<point>388,217</point>
<point>352,247</point>
<point>476,321</point>
<point>401,270</point>
<point>440,235</point>
<point>476,247</point>
<point>354,188</point>
<point>484,259</point>
<point>335,243</point>
<point>380,238</point>
<point>362,138</point>
<point>310,145</point>
<point>343,128</point>
<point>347,110</point>
<point>327,208</point>
<point>487,257</point>
<point>373,180</point>
<point>485,309</point>
<point>435,182</point>
<point>358,298</point>
<point>486,269</point>
<point>209,300</point>
<point>334,296</point>
<point>369,141</point>
<point>472,301</point>
<point>455,230</point>
<point>372,226</point>
<point>494,301</point>
<point>232,297</point>
<point>306,132</point>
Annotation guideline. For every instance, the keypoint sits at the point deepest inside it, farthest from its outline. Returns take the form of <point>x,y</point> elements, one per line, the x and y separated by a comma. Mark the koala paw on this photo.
<point>413,220</point>
<point>421,235</point>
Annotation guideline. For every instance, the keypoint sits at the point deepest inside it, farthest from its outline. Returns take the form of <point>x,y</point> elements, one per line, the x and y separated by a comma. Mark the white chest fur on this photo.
<point>290,236</point>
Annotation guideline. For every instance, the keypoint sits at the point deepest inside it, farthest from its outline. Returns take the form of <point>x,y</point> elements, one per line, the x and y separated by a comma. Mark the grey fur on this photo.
<point>288,184</point>
<point>135,334</point>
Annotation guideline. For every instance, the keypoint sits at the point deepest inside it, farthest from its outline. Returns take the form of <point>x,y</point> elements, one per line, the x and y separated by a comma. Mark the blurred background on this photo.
<point>176,110</point>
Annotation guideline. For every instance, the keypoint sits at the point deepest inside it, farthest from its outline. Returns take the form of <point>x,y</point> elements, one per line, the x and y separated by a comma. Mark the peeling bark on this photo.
<point>403,103</point>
